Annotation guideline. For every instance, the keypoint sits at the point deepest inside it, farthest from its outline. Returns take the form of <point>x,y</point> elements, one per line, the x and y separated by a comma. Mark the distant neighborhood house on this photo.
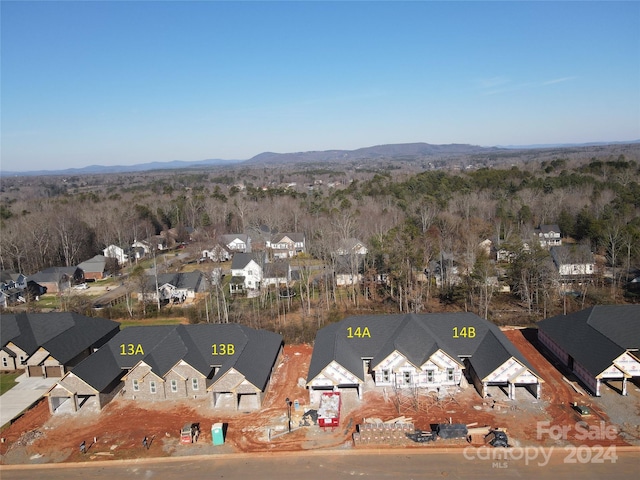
<point>549,236</point>
<point>573,260</point>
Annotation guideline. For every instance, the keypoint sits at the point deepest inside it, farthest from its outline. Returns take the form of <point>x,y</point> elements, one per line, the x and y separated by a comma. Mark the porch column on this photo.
<point>538,390</point>
<point>75,402</point>
<point>597,387</point>
<point>624,385</point>
<point>484,389</point>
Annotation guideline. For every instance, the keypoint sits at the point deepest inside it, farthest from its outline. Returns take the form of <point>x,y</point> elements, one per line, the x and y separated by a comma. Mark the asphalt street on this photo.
<point>342,464</point>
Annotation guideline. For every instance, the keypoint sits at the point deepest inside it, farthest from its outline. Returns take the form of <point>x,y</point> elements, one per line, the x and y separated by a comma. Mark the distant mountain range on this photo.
<point>399,151</point>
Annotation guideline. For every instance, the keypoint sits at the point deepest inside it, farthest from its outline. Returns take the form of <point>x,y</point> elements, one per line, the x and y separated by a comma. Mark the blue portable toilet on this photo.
<point>217,433</point>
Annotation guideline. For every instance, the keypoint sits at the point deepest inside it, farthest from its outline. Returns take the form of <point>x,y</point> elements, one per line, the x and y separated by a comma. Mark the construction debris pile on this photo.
<point>401,431</point>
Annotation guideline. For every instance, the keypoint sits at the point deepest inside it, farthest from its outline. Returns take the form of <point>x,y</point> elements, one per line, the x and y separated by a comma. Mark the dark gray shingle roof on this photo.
<point>417,337</point>
<point>64,335</point>
<point>596,336</point>
<point>162,347</point>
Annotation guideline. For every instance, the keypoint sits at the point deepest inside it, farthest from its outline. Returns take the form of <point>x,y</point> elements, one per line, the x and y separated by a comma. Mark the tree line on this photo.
<point>408,220</point>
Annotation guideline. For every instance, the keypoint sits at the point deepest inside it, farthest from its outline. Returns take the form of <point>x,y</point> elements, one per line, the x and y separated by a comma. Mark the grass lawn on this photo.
<point>7,381</point>
<point>152,321</point>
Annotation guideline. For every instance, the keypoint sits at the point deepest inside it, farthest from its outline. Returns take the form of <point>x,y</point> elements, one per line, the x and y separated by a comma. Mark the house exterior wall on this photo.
<point>587,378</point>
<point>553,347</point>
<point>113,251</point>
<point>252,274</point>
<point>440,370</point>
<point>229,382</point>
<point>343,280</point>
<point>569,269</point>
<point>629,364</point>
<point>8,362</point>
<point>144,376</point>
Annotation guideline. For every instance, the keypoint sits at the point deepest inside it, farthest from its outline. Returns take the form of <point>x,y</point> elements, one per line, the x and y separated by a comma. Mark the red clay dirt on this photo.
<point>120,427</point>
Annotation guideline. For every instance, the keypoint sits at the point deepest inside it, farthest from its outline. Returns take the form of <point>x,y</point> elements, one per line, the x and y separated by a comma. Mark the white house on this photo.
<point>114,251</point>
<point>247,272</point>
<point>549,236</point>
<point>236,242</point>
<point>217,253</point>
<point>573,260</point>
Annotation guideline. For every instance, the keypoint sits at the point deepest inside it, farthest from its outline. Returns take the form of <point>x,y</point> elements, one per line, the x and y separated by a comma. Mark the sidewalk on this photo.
<point>27,392</point>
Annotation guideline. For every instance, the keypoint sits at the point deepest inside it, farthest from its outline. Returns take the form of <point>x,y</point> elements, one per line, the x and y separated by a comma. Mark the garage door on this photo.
<point>53,371</point>
<point>35,371</point>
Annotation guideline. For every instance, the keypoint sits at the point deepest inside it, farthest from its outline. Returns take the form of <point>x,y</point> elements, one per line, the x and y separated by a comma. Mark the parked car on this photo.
<point>81,286</point>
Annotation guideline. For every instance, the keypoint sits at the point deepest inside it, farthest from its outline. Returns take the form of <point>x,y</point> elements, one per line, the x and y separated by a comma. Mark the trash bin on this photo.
<point>217,433</point>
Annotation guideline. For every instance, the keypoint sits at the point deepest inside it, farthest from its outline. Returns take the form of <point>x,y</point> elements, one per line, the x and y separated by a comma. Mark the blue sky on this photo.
<point>119,83</point>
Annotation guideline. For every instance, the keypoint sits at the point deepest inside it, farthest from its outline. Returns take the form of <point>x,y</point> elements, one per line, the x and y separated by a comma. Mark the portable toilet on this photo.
<point>217,433</point>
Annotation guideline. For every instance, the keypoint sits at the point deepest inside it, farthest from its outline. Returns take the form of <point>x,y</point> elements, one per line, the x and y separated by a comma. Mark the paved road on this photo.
<point>27,392</point>
<point>343,464</point>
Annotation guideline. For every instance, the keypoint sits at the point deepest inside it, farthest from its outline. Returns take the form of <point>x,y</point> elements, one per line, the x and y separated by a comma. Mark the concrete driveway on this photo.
<point>27,392</point>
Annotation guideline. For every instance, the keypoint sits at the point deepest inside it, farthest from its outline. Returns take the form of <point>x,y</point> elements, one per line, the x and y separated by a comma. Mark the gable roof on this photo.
<point>54,274</point>
<point>417,337</point>
<point>64,335</point>
<point>94,264</point>
<point>182,280</point>
<point>571,254</point>
<point>554,228</point>
<point>293,236</point>
<point>276,270</point>
<point>241,260</point>
<point>228,238</point>
<point>162,347</point>
<point>596,336</point>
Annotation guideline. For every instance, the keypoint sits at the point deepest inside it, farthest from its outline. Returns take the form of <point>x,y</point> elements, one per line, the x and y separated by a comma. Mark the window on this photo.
<point>5,363</point>
<point>429,376</point>
<point>136,385</point>
<point>152,386</point>
<point>385,375</point>
<point>450,374</point>
<point>22,360</point>
<point>194,384</point>
<point>407,377</point>
<point>174,386</point>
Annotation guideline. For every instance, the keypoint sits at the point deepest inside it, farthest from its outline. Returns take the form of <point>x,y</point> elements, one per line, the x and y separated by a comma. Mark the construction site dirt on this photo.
<point>118,431</point>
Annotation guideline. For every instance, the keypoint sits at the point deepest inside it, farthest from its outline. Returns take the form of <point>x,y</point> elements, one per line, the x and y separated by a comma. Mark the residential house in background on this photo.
<point>94,268</point>
<point>236,242</point>
<point>50,344</point>
<point>230,363</point>
<point>14,288</point>
<point>217,253</point>
<point>549,236</point>
<point>599,345</point>
<point>175,287</point>
<point>351,246</point>
<point>348,270</point>
<point>10,280</point>
<point>573,261</point>
<point>247,272</point>
<point>286,245</point>
<point>143,248</point>
<point>416,351</point>
<point>58,279</point>
<point>114,251</point>
<point>276,273</point>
